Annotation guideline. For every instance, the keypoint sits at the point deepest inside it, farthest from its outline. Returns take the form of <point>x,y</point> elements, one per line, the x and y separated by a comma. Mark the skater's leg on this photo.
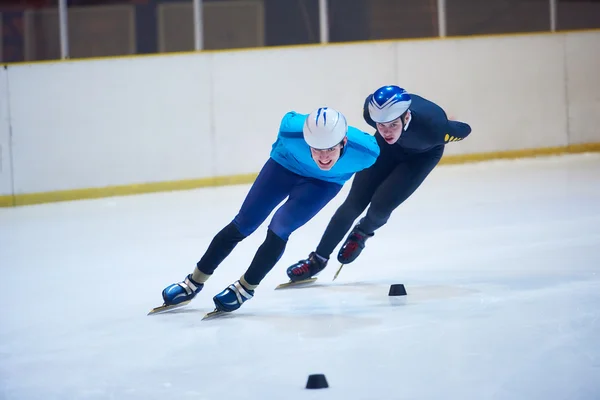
<point>270,188</point>
<point>363,186</point>
<point>406,177</point>
<point>220,247</point>
<point>400,185</point>
<point>305,201</point>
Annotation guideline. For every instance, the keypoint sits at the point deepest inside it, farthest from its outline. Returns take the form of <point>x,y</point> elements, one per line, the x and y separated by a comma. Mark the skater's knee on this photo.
<point>286,221</point>
<point>349,211</point>
<point>377,216</point>
<point>281,229</point>
<point>237,231</point>
<point>244,226</point>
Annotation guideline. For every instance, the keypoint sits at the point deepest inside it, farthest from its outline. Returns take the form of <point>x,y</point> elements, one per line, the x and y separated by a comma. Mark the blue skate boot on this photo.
<point>232,297</point>
<point>307,268</point>
<point>178,293</point>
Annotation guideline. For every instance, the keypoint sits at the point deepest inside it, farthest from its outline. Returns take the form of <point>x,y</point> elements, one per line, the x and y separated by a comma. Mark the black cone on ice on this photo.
<point>317,381</point>
<point>397,290</point>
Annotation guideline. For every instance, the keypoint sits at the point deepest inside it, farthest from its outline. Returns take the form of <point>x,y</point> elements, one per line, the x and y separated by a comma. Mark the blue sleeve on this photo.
<point>365,149</point>
<point>291,151</point>
<point>292,122</point>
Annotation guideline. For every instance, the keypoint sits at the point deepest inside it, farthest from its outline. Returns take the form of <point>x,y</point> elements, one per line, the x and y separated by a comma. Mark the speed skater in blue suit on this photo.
<point>311,159</point>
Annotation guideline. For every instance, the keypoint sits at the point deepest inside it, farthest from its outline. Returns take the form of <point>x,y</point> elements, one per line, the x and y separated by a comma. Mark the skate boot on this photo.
<point>232,297</point>
<point>354,245</point>
<point>307,268</point>
<point>182,291</point>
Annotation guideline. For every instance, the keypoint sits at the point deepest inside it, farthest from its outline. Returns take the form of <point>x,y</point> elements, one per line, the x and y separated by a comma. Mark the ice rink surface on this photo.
<point>501,262</point>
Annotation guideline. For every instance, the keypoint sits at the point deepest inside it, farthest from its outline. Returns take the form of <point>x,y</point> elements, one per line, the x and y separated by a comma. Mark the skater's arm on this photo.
<point>362,149</point>
<point>453,131</point>
<point>291,125</point>
<point>459,130</point>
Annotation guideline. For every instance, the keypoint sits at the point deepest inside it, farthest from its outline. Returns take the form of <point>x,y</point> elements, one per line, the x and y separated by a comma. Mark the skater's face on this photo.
<point>391,131</point>
<point>327,158</point>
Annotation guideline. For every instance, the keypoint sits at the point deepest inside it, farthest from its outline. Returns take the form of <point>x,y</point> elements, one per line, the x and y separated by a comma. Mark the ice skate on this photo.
<point>178,294</point>
<point>304,271</point>
<point>353,246</point>
<point>230,299</point>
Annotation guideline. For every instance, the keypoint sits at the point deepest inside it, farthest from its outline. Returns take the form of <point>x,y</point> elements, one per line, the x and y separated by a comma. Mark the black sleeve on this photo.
<point>366,116</point>
<point>447,130</point>
<point>456,131</point>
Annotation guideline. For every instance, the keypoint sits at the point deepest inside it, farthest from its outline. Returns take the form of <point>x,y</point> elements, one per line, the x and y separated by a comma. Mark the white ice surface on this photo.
<point>501,262</point>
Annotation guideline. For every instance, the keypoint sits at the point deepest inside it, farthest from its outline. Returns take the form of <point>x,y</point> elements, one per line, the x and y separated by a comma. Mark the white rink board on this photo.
<point>257,88</point>
<point>111,122</point>
<point>582,55</point>
<point>5,165</point>
<point>162,118</point>
<point>505,88</point>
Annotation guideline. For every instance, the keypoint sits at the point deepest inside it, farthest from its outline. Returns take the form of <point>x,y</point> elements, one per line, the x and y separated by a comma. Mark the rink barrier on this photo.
<point>304,45</point>
<point>33,162</point>
<point>122,190</point>
<point>190,184</point>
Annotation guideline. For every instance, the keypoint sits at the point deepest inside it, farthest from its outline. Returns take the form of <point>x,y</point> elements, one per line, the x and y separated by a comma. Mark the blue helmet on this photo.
<point>388,103</point>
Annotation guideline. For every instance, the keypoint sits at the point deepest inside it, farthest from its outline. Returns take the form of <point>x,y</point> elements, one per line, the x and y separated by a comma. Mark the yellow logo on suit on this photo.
<point>449,138</point>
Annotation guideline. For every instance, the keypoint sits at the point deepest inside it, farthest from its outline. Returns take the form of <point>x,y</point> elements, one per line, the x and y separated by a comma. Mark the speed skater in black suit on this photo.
<point>412,133</point>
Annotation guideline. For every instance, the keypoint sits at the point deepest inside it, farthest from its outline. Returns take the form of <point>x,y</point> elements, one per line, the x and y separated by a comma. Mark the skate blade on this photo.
<point>165,308</point>
<point>214,314</point>
<point>297,283</point>
<point>338,271</point>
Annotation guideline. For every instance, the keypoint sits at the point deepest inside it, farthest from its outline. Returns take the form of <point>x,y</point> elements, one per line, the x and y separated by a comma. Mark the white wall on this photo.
<point>111,122</point>
<point>582,79</point>
<point>5,167</point>
<point>505,88</point>
<point>253,89</point>
<point>134,120</point>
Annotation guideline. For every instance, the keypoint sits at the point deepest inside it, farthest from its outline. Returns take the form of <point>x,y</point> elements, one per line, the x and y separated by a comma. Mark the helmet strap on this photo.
<point>342,150</point>
<point>402,118</point>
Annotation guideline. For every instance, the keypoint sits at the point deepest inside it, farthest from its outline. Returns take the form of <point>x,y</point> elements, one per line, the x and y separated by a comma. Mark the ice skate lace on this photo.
<point>303,269</point>
<point>352,246</point>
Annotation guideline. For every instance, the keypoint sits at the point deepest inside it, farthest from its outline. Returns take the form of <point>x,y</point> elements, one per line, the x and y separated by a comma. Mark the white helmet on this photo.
<point>388,103</point>
<point>324,128</point>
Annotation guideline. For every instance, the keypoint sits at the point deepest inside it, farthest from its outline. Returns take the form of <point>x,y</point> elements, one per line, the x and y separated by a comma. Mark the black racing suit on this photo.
<point>398,172</point>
